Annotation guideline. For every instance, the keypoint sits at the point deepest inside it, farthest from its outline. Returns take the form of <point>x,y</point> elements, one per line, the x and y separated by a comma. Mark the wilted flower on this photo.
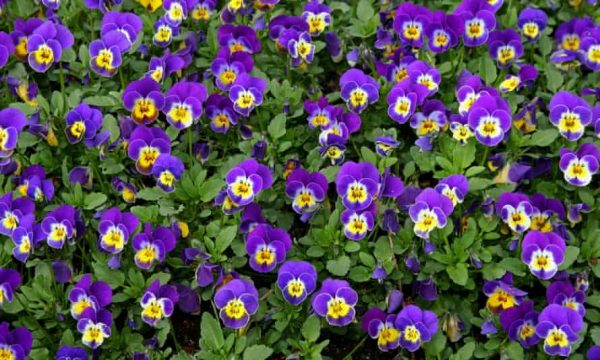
<point>335,301</point>
<point>564,294</point>
<point>246,180</point>
<point>490,119</point>
<point>87,294</point>
<point>115,228</point>
<point>296,280</point>
<point>128,191</point>
<point>306,190</point>
<point>146,145</point>
<point>10,280</point>
<point>501,294</point>
<point>430,211</point>
<point>520,322</point>
<point>358,90</point>
<point>236,301</point>
<point>152,246</point>
<point>579,166</point>
<point>94,327</point>
<point>380,326</point>
<point>558,326</point>
<point>158,302</point>
<point>267,246</point>
<point>575,210</point>
<point>532,22</point>
<point>59,226</point>
<point>417,327</point>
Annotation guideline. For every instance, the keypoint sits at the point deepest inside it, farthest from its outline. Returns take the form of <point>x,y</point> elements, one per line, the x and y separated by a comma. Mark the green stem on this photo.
<point>122,79</point>
<point>62,82</point>
<point>172,332</point>
<point>349,356</point>
<point>189,136</point>
<point>485,155</point>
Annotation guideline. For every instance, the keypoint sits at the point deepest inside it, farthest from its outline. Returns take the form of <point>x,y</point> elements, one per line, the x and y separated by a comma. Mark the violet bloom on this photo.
<point>7,48</point>
<point>251,217</point>
<point>246,180</point>
<point>26,237</point>
<point>158,302</point>
<point>300,47</point>
<point>152,246</point>
<point>167,169</point>
<point>12,122</point>
<point>526,77</point>
<point>115,228</point>
<point>83,123</point>
<point>417,327</point>
<point>94,327</point>
<point>219,110</point>
<point>515,209</point>
<point>236,301</point>
<point>160,68</point>
<point>128,192</point>
<point>589,50</point>
<point>15,344</point>
<point>444,31</point>
<point>564,294</point>
<point>146,145</point>
<point>320,113</point>
<point>10,280</point>
<point>404,98</point>
<point>335,301</point>
<point>543,253</point>
<point>246,93</point>
<point>183,103</point>
<point>558,326</point>
<point>296,280</point>
<point>175,11</point>
<point>505,47</point>
<point>358,90</point>
<point>454,187</point>
<point>410,22</point>
<point>317,17</point>
<point>306,190</point>
<point>469,88</point>
<point>532,23</point>
<point>202,10</point>
<point>126,23</point>
<point>490,119</point>
<point>397,70</point>
<point>422,73</point>
<point>384,145</point>
<point>46,44</point>
<point>357,223</point>
<point>23,29</point>
<point>68,353</point>
<point>431,120</point>
<point>480,19</point>
<point>15,213</point>
<point>81,175</point>
<point>238,38</point>
<point>519,322</point>
<point>575,211</point>
<point>104,5</point>
<point>62,272</point>
<point>164,33</point>
<point>358,184</point>
<point>380,326</point>
<point>430,211</point>
<point>105,53</point>
<point>144,99</point>
<point>569,34</point>
<point>545,212</point>
<point>570,114</point>
<point>89,294</point>
<point>227,68</point>
<point>579,166</point>
<point>59,226</point>
<point>267,246</point>
<point>502,295</point>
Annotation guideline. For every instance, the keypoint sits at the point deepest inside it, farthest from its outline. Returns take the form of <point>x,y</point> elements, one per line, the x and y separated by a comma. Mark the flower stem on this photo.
<point>189,138</point>
<point>349,355</point>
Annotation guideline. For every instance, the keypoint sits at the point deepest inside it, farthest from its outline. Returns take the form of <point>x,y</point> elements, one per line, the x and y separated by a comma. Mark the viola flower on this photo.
<point>175,11</point>
<point>320,113</point>
<point>358,184</point>
<point>317,17</point>
<point>454,187</point>
<point>416,327</point>
<point>520,322</point>
<point>126,23</point>
<point>589,51</point>
<point>14,213</point>
<point>158,302</point>
<point>144,99</point>
<point>103,5</point>
<point>532,23</point>
<point>152,246</point>
<point>15,344</point>
<point>105,53</point>
<point>83,122</point>
<point>128,192</point>
<point>203,10</point>
<point>306,190</point>
<point>357,223</point>
<point>558,326</point>
<point>94,327</point>
<point>410,22</point>
<point>444,31</point>
<point>183,103</point>
<point>7,48</point>
<point>490,119</point>
<point>160,68</point>
<point>115,228</point>
<point>296,280</point>
<point>564,294</point>
<point>81,175</point>
<point>10,280</point>
<point>421,73</point>
<point>301,49</point>
<point>384,145</point>
<point>526,77</point>
<point>543,253</point>
<point>574,213</point>
<point>480,20</point>
<point>570,114</point>
<point>431,120</point>
<point>26,237</point>
<point>344,125</point>
<point>579,166</point>
<point>45,45</point>
<point>515,210</point>
<point>164,33</point>
<point>59,226</point>
<point>246,180</point>
<point>219,110</point>
<point>227,68</point>
<point>358,90</point>
<point>12,122</point>
<point>167,169</point>
<point>267,246</point>
<point>545,210</point>
<point>501,294</point>
<point>404,98</point>
<point>335,301</point>
<point>430,211</point>
<point>468,89</point>
<point>505,47</point>
<point>87,294</point>
<point>236,301</point>
<point>569,34</point>
<point>281,24</point>
<point>238,38</point>
<point>146,145</point>
<point>334,149</point>
<point>246,93</point>
<point>380,326</point>
<point>23,29</point>
<point>397,70</point>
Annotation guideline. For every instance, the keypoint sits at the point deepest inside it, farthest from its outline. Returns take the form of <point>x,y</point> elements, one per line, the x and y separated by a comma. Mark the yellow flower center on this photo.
<point>235,309</point>
<point>6,353</point>
<point>337,308</point>
<point>166,178</point>
<point>571,42</point>
<point>163,34</point>
<point>531,30</point>
<point>500,299</point>
<point>358,98</point>
<point>144,110</point>
<point>44,55</point>
<point>146,255</point>
<point>388,335</point>
<point>412,334</point>
<point>265,256</point>
<point>104,60</point>
<point>77,129</point>
<point>21,48</point>
<point>148,156</point>
<point>245,100</point>
<point>10,221</point>
<point>295,288</point>
<point>114,238</point>
<point>153,310</point>
<point>227,77</point>
<point>557,337</point>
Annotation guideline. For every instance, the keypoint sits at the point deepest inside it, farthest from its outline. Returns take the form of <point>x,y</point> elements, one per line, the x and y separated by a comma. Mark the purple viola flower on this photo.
<point>589,51</point>
<point>10,280</point>
<point>468,89</point>
<point>227,68</point>
<point>104,5</point>
<point>126,23</point>
<point>320,113</point>
<point>167,169</point>
<point>189,299</point>
<point>358,90</point>
<point>334,149</point>
<point>202,10</point>
<point>543,253</point>
<point>488,328</point>
<point>7,48</point>
<point>12,122</point>
<point>519,322</point>
<point>579,166</point>
<point>164,33</point>
<point>404,98</point>
<point>15,213</point>
<point>26,237</point>
<point>335,301</point>
<point>317,17</point>
<point>417,327</point>
<point>501,293</point>
<point>15,344</point>
<point>246,180</point>
<point>238,38</point>
<point>128,192</point>
<point>144,99</point>
<point>384,145</point>
<point>490,119</point>
<point>532,23</point>
<point>175,11</point>
<point>526,77</point>
<point>594,351</point>
<point>23,29</point>
<point>515,209</point>
<point>545,212</point>
<point>430,211</point>
<point>344,125</point>
<point>246,93</point>
<point>559,327</point>
<point>422,73</point>
<point>570,114</point>
<point>62,272</point>
<point>152,246</point>
<point>569,34</point>
<point>306,190</point>
<point>59,226</point>
<point>357,223</point>
<point>158,302</point>
<point>564,294</point>
<point>89,294</point>
<point>397,70</point>
<point>479,18</point>
<point>81,175</point>
<point>267,246</point>
<point>301,48</point>
<point>431,120</point>
<point>68,353</point>
<point>358,184</point>
<point>444,31</point>
<point>219,110</point>
<point>83,123</point>
<point>146,145</point>
<point>160,68</point>
<point>454,187</point>
<point>251,217</point>
<point>410,22</point>
<point>94,327</point>
<point>105,53</point>
<point>426,289</point>
<point>183,103</point>
<point>115,228</point>
<point>575,211</point>
<point>236,301</point>
<point>282,23</point>
<point>381,326</point>
<point>46,44</point>
<point>505,47</point>
<point>296,280</point>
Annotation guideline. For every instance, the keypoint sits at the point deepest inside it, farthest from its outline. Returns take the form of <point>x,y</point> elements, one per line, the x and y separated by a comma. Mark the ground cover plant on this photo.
<point>278,179</point>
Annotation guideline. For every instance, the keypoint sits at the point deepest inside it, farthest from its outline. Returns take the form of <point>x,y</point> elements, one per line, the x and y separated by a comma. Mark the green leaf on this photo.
<point>101,101</point>
<point>277,126</point>
<point>225,238</point>
<point>543,137</point>
<point>257,352</point>
<point>339,266</point>
<point>364,10</point>
<point>150,194</point>
<point>553,76</point>
<point>458,273</point>
<point>94,200</point>
<point>476,183</point>
<point>368,155</point>
<point>210,188</point>
<point>311,329</point>
<point>465,352</point>
<point>514,351</point>
<point>210,332</point>
<point>571,254</point>
<point>436,345</point>
<point>487,69</point>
